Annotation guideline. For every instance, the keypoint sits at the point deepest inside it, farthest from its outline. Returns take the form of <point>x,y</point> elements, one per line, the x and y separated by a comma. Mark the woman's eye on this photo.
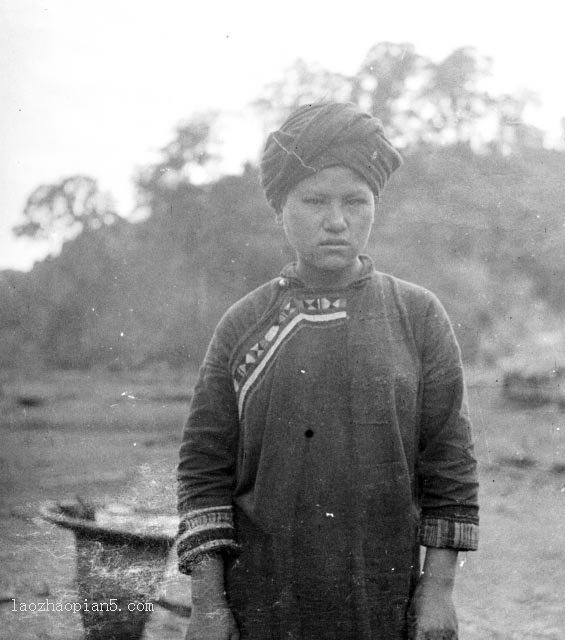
<point>356,202</point>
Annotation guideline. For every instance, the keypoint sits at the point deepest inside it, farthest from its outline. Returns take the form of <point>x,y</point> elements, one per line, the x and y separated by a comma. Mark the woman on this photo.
<point>328,434</point>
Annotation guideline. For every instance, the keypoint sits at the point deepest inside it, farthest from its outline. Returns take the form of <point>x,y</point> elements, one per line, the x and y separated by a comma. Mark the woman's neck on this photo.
<point>316,278</point>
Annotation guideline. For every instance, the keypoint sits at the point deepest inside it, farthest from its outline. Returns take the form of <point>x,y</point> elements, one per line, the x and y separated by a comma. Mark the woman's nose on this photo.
<point>334,220</point>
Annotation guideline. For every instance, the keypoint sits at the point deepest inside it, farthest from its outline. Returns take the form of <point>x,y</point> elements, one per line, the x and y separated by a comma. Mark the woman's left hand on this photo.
<point>432,613</point>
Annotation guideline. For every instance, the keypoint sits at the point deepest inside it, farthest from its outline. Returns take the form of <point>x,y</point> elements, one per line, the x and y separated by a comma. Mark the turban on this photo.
<point>324,135</point>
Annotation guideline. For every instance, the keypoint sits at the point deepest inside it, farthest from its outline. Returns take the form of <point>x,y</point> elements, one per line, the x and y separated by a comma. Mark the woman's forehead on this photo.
<point>333,179</point>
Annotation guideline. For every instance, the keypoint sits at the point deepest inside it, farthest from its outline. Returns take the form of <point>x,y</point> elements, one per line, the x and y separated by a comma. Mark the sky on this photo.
<point>97,87</point>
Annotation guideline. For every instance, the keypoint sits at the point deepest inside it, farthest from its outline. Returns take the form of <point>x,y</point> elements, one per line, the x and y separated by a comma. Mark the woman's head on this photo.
<point>324,135</point>
<point>322,172</point>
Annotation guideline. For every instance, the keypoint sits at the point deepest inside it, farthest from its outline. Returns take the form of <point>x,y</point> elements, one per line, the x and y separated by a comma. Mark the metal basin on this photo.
<point>121,558</point>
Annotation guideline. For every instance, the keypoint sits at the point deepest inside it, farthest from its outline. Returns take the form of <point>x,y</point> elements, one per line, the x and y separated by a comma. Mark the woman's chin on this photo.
<point>339,260</point>
<point>331,269</point>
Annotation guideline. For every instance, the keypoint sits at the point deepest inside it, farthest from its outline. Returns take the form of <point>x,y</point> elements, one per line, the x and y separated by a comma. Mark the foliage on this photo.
<point>480,223</point>
<point>458,103</point>
<point>385,85</point>
<point>302,83</point>
<point>66,208</point>
<point>419,102</point>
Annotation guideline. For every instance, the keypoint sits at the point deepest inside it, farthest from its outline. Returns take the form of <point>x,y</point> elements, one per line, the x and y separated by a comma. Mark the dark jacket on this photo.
<point>328,437</point>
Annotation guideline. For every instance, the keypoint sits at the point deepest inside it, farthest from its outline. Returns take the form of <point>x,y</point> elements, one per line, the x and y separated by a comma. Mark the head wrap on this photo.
<point>323,135</point>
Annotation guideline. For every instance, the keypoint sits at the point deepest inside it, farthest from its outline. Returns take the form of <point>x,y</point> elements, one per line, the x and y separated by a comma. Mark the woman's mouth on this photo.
<point>334,243</point>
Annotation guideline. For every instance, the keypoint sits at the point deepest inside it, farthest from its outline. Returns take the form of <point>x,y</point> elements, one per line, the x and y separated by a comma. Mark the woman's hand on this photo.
<point>212,623</point>
<point>432,613</point>
<point>211,617</point>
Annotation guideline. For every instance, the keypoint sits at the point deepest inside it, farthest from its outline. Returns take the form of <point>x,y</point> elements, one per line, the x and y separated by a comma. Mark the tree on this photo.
<point>302,83</point>
<point>167,189</point>
<point>66,208</point>
<point>387,85</point>
<point>513,134</point>
<point>188,150</point>
<point>456,98</point>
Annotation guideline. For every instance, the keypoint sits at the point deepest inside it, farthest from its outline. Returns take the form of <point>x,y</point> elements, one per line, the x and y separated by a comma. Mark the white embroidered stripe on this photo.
<point>289,327</point>
<point>201,518</point>
<point>213,521</point>
<point>204,527</point>
<point>200,512</point>
<point>187,556</point>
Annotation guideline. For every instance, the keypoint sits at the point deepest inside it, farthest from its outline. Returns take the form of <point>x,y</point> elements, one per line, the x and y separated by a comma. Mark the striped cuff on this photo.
<point>202,531</point>
<point>450,534</point>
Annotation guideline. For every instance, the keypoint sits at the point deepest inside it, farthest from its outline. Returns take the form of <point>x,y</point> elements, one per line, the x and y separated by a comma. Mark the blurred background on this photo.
<point>131,216</point>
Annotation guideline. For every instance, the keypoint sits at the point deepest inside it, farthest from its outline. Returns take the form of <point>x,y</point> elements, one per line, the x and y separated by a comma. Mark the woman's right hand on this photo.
<point>211,617</point>
<point>212,623</point>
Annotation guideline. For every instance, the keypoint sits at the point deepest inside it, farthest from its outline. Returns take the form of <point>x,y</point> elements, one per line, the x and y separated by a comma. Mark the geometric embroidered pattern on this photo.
<point>439,532</point>
<point>202,531</point>
<point>295,311</point>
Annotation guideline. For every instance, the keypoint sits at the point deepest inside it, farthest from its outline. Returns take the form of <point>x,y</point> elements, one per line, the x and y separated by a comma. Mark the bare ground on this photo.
<point>116,439</point>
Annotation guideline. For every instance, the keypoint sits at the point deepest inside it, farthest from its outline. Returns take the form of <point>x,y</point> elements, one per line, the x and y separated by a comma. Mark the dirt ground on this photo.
<point>114,439</point>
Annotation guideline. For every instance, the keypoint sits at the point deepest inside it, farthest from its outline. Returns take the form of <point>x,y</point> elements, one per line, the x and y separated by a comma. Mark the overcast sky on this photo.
<point>97,86</point>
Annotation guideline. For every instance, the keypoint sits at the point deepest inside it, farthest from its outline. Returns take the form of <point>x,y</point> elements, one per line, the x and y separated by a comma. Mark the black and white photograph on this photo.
<point>282,320</point>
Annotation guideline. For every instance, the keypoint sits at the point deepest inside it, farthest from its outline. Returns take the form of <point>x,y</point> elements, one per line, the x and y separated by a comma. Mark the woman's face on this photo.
<point>327,219</point>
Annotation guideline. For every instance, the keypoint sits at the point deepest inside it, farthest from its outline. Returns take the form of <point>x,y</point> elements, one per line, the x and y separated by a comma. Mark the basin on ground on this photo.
<point>121,558</point>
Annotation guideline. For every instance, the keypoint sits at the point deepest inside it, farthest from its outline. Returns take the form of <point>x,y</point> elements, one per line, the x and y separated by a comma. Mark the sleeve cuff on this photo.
<point>450,534</point>
<point>203,531</point>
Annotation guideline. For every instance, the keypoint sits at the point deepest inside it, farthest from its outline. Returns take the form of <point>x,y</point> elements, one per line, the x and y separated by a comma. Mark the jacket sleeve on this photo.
<point>447,468</point>
<point>206,468</point>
